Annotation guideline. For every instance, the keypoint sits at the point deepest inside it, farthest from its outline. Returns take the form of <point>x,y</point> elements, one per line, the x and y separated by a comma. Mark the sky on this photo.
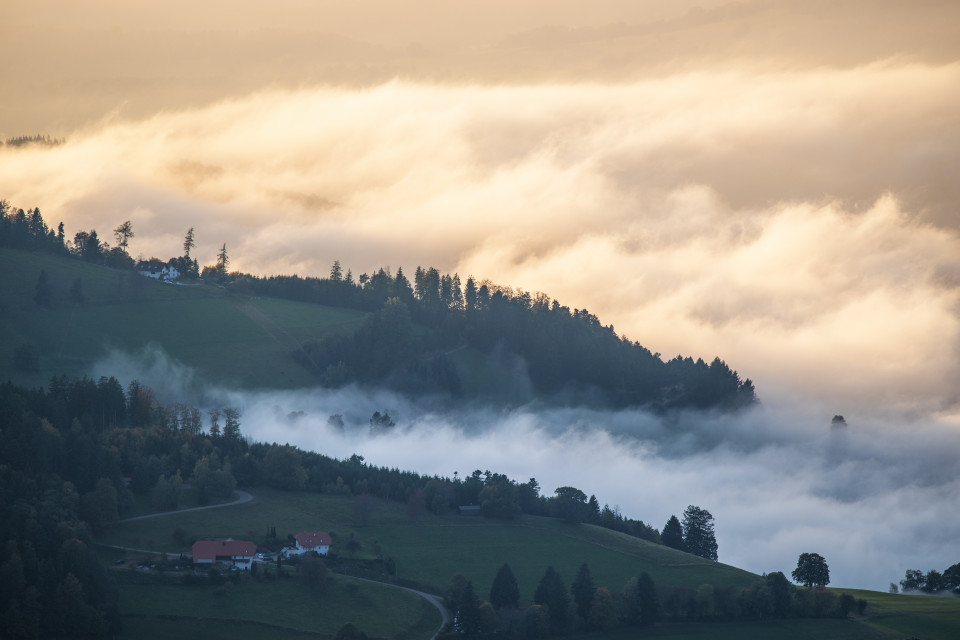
<point>771,182</point>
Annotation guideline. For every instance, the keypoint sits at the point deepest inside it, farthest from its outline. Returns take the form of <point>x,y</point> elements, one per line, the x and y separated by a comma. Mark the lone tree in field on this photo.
<point>698,535</point>
<point>811,571</point>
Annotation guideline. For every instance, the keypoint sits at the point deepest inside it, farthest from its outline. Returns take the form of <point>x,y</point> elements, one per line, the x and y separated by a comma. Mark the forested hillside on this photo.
<point>417,332</point>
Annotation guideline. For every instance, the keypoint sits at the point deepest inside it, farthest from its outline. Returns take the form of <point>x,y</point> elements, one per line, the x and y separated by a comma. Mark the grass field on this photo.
<point>228,339</point>
<point>272,608</point>
<point>431,549</point>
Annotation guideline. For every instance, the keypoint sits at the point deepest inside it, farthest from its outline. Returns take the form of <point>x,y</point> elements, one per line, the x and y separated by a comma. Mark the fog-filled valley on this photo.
<point>780,479</point>
<point>770,186</point>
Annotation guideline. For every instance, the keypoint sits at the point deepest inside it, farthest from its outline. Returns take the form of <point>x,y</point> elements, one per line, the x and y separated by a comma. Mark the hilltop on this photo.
<point>282,333</point>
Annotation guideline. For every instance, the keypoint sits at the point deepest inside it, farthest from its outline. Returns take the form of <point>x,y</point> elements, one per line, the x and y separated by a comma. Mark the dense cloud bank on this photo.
<point>792,223</point>
<point>773,182</point>
<point>872,497</point>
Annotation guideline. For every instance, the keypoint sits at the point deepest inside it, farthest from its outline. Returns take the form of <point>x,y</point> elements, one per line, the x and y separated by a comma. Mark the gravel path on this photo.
<point>432,599</point>
<point>244,497</point>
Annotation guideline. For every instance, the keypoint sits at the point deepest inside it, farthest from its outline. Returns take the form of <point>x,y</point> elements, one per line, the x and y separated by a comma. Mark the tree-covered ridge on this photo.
<point>37,140</point>
<point>566,355</point>
<point>569,354</point>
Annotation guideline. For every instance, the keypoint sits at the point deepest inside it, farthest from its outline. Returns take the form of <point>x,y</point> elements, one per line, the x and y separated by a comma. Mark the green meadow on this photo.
<point>428,550</point>
<point>229,339</point>
<point>272,608</point>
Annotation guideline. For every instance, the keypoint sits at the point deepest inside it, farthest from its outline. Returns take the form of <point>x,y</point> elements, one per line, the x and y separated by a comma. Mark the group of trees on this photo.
<point>555,609</point>
<point>568,355</point>
<point>37,139</point>
<point>640,602</point>
<point>932,581</point>
<point>27,230</point>
<point>74,456</point>
<point>694,535</point>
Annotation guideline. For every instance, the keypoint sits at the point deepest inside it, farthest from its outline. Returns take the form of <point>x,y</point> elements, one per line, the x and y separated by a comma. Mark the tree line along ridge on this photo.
<point>414,327</point>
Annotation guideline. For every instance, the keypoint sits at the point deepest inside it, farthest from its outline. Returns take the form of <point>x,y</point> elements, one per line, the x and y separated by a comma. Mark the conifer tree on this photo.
<point>672,534</point>
<point>505,592</point>
<point>698,534</point>
<point>583,590</point>
<point>552,593</point>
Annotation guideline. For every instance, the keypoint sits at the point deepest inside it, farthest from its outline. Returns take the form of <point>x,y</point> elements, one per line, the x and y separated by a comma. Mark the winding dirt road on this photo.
<point>244,497</point>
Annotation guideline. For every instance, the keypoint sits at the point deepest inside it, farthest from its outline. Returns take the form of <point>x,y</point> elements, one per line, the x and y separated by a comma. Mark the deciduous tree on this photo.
<point>811,571</point>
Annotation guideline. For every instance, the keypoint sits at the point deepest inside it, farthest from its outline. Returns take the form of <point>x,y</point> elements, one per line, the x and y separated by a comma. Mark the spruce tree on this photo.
<point>583,590</point>
<point>552,593</point>
<point>672,534</point>
<point>505,592</point>
<point>698,534</point>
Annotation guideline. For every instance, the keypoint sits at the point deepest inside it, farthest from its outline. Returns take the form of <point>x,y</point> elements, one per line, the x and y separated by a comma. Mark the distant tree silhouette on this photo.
<point>698,533</point>
<point>672,534</point>
<point>42,290</point>
<point>504,592</point>
<point>812,570</point>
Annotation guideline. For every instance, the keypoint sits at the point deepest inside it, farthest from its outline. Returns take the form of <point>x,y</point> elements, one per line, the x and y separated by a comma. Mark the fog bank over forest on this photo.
<point>779,479</point>
<point>699,175</point>
<point>772,182</point>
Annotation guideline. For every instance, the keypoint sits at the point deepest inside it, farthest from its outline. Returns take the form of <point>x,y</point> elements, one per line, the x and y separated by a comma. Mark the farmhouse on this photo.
<point>318,541</point>
<point>153,268</point>
<point>238,553</point>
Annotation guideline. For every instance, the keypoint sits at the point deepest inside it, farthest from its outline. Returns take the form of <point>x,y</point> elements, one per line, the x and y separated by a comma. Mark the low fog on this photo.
<point>796,224</point>
<point>772,182</point>
<point>874,498</point>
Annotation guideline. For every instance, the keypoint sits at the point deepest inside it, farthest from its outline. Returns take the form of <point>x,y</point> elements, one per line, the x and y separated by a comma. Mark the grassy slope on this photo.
<point>429,550</point>
<point>273,609</point>
<point>888,617</point>
<point>228,339</point>
<point>433,548</point>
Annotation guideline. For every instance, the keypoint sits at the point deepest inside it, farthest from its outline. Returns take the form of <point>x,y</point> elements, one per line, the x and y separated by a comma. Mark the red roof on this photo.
<point>311,539</point>
<point>210,550</point>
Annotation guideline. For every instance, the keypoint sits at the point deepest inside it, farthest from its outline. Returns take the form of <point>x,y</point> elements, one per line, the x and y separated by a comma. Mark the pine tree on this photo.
<point>672,534</point>
<point>76,292</point>
<point>505,592</point>
<point>552,593</point>
<point>222,259</point>
<point>43,290</point>
<point>123,233</point>
<point>188,243</point>
<point>231,427</point>
<point>583,590</point>
<point>698,534</point>
<point>467,618</point>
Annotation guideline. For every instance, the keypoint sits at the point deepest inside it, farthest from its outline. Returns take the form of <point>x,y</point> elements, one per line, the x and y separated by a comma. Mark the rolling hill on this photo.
<point>429,549</point>
<point>237,340</point>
